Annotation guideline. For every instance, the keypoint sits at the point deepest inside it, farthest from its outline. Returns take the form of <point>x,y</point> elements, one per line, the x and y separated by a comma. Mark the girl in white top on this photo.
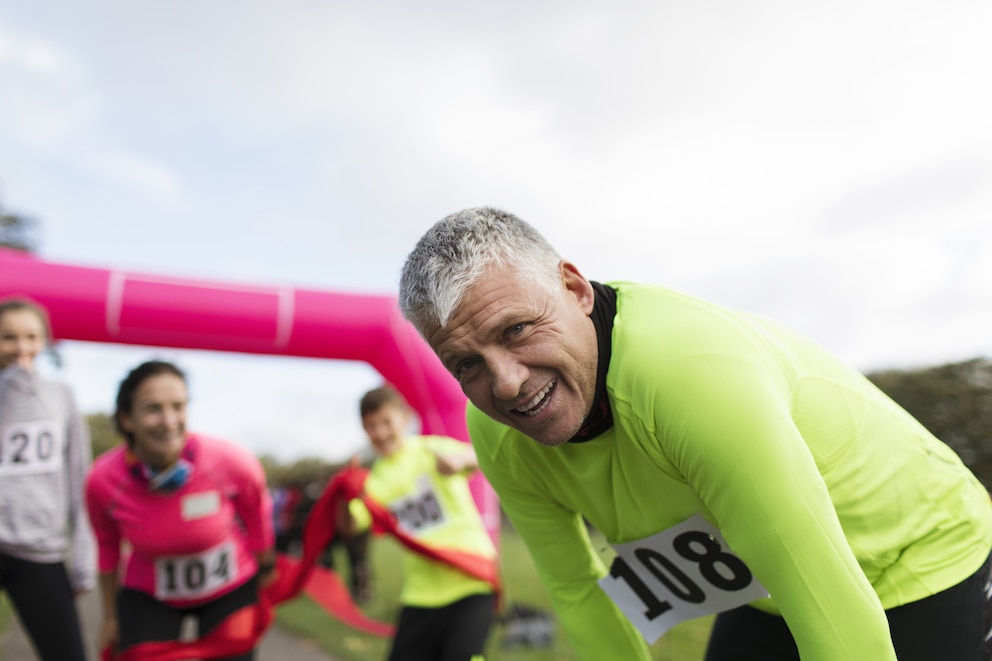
<point>44,456</point>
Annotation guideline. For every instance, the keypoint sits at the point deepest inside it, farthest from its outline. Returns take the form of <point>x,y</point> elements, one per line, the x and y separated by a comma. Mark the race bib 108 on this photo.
<point>678,574</point>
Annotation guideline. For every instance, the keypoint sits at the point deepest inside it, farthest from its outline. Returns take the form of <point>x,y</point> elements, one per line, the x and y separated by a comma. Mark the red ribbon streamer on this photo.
<point>241,631</point>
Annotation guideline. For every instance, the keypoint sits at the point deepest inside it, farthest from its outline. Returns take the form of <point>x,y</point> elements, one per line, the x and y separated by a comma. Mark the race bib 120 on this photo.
<point>31,447</point>
<point>678,574</point>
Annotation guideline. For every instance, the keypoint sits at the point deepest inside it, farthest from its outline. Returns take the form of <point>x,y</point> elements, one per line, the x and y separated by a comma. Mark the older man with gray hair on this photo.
<point>736,468</point>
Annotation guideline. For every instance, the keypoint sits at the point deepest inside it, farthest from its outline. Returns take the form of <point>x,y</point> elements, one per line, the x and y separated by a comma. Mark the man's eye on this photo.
<point>516,329</point>
<point>464,366</point>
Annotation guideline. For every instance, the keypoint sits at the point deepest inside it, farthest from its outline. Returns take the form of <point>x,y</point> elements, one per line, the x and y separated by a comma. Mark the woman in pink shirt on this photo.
<point>193,513</point>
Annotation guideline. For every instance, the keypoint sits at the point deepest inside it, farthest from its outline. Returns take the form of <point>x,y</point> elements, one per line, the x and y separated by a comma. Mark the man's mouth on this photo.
<point>538,402</point>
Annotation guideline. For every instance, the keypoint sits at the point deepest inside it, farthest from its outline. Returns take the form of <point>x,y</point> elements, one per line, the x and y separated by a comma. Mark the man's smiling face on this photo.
<point>525,357</point>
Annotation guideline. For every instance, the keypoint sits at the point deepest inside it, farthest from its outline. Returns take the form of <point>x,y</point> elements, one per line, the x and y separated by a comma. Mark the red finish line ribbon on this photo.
<point>242,630</point>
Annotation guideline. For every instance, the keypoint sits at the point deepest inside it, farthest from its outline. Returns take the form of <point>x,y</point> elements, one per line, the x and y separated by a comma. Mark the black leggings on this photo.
<point>43,599</point>
<point>142,618</point>
<point>950,626</point>
<point>455,632</point>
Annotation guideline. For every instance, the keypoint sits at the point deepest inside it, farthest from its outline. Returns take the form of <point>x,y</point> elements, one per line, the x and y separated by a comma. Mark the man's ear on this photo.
<point>577,285</point>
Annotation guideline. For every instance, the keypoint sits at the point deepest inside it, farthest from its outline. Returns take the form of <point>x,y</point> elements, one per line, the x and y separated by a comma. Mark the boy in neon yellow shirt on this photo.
<point>446,613</point>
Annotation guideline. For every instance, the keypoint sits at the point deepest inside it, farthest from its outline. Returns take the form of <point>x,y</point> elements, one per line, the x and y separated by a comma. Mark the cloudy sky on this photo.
<point>826,164</point>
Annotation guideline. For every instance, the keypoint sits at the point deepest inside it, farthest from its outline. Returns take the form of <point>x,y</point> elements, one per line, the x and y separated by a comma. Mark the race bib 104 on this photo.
<point>678,574</point>
<point>31,447</point>
<point>196,575</point>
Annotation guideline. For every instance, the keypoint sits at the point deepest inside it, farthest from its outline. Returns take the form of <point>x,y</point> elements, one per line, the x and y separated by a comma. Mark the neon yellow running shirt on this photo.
<point>436,509</point>
<point>837,500</point>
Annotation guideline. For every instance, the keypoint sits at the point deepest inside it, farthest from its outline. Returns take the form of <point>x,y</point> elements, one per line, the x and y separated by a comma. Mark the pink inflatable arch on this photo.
<point>106,305</point>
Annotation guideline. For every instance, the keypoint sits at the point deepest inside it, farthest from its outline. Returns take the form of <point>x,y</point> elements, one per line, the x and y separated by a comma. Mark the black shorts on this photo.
<point>952,625</point>
<point>142,618</point>
<point>455,632</point>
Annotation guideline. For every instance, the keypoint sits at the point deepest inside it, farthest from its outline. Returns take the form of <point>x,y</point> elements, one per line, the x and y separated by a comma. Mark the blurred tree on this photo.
<point>21,233</point>
<point>18,232</point>
<point>102,433</point>
<point>300,473</point>
<point>309,470</point>
<point>953,401</point>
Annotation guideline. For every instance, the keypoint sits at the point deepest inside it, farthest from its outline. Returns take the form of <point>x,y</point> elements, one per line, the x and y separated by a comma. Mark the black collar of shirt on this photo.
<point>600,417</point>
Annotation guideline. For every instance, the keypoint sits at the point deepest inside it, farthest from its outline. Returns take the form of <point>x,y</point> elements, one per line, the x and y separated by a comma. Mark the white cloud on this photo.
<point>137,172</point>
<point>45,96</point>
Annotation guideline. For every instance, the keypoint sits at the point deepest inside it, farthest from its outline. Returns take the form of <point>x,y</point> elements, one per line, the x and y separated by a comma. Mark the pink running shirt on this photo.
<point>191,545</point>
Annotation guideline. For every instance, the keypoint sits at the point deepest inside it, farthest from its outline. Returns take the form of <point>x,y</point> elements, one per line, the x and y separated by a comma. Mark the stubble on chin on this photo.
<point>549,438</point>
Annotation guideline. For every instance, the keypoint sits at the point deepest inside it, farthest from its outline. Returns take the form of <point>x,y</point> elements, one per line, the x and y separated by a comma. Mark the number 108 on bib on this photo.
<point>684,572</point>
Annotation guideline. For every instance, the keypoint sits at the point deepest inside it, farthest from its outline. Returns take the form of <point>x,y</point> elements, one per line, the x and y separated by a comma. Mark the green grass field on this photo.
<point>5,612</point>
<point>685,642</point>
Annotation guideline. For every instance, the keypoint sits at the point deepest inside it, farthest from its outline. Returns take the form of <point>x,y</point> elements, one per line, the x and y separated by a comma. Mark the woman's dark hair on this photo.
<point>137,376</point>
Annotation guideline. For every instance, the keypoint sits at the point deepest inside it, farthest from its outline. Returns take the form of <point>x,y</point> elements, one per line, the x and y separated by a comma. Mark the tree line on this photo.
<point>301,472</point>
<point>953,401</point>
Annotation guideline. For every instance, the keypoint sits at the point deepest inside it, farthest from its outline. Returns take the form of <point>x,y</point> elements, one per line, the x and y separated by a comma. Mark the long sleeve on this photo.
<point>254,503</point>
<point>568,566</point>
<point>98,489</point>
<point>721,398</point>
<point>767,496</point>
<point>82,569</point>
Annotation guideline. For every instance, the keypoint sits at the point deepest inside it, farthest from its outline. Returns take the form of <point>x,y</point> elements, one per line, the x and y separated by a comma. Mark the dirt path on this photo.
<point>278,644</point>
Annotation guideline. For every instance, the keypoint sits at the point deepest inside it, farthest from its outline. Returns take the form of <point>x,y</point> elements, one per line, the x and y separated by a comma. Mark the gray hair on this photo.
<point>458,249</point>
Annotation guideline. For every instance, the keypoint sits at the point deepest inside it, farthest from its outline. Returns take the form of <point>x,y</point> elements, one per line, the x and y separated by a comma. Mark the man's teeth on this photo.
<point>531,408</point>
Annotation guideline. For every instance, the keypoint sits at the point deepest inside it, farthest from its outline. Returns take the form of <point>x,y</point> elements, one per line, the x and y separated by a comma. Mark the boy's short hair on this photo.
<point>377,398</point>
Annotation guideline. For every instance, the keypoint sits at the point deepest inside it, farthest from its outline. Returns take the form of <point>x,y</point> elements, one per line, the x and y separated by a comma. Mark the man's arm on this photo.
<point>569,567</point>
<point>728,428</point>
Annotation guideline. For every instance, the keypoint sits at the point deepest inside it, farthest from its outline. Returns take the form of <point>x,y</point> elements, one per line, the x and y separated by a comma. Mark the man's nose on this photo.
<point>509,376</point>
